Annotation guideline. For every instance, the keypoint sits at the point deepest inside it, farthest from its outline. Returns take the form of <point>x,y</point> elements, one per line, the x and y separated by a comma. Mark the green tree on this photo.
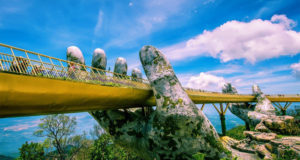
<point>104,149</point>
<point>100,149</point>
<point>79,144</point>
<point>31,151</point>
<point>57,128</point>
<point>96,132</point>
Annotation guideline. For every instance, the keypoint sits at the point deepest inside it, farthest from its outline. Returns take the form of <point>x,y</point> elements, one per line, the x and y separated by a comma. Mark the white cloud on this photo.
<point>255,40</point>
<point>282,19</point>
<point>20,127</point>
<point>296,69</point>
<point>268,79</point>
<point>205,81</point>
<point>99,22</point>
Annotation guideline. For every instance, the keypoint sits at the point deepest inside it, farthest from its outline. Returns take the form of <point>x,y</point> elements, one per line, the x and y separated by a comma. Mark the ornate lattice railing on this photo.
<point>20,61</point>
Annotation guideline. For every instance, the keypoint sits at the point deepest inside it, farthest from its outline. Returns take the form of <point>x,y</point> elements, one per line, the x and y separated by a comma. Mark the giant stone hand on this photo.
<point>175,130</point>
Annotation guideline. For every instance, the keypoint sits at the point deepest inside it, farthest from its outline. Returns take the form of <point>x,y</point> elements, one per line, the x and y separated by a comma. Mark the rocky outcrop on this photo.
<point>254,114</point>
<point>99,59</point>
<point>260,136</point>
<point>262,115</point>
<point>265,120</point>
<point>269,145</point>
<point>120,67</point>
<point>279,124</point>
<point>241,110</point>
<point>136,75</point>
<point>286,147</point>
<point>263,105</point>
<point>177,129</point>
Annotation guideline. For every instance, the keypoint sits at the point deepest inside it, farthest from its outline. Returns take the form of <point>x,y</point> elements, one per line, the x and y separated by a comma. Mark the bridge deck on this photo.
<point>23,95</point>
<point>38,84</point>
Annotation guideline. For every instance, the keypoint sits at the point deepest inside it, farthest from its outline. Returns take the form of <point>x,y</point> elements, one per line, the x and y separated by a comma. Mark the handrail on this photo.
<point>37,67</point>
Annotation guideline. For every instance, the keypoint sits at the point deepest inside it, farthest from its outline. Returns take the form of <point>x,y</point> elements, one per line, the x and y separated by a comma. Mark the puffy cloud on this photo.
<point>206,81</point>
<point>296,69</point>
<point>255,40</point>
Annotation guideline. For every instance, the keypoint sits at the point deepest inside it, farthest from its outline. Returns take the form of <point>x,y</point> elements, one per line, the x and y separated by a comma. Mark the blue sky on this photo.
<point>121,28</point>
<point>209,42</point>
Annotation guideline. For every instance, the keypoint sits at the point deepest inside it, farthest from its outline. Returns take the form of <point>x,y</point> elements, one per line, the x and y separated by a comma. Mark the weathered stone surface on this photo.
<point>136,75</point>
<point>74,54</point>
<point>261,127</point>
<point>260,136</point>
<point>239,149</point>
<point>263,104</point>
<point>175,130</point>
<point>243,155</point>
<point>263,151</point>
<point>239,109</point>
<point>244,147</point>
<point>281,124</point>
<point>121,66</point>
<point>99,59</point>
<point>229,141</point>
<point>263,108</point>
<point>75,71</point>
<point>287,147</point>
<point>262,116</point>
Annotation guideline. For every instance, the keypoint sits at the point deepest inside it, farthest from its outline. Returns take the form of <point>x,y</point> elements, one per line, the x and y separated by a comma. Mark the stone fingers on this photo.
<point>169,94</point>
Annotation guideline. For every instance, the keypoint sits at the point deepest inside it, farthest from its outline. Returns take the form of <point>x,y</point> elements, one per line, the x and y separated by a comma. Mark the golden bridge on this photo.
<point>35,84</point>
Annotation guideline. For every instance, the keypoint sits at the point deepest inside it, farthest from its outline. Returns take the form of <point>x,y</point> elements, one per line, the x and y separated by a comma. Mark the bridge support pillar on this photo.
<point>283,112</point>
<point>223,124</point>
<point>202,106</point>
<point>222,112</point>
<point>247,125</point>
<point>283,108</point>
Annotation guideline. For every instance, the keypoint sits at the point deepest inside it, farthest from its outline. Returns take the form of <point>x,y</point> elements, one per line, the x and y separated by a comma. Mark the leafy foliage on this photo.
<point>237,132</point>
<point>104,149</point>
<point>61,143</point>
<point>31,151</point>
<point>57,128</point>
<point>199,156</point>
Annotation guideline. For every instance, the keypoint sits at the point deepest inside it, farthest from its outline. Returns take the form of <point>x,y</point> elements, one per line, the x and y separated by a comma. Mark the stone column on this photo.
<point>120,67</point>
<point>99,60</point>
<point>136,75</point>
<point>75,55</point>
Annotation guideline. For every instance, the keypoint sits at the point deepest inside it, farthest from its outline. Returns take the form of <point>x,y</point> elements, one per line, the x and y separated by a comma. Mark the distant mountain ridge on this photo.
<point>3,157</point>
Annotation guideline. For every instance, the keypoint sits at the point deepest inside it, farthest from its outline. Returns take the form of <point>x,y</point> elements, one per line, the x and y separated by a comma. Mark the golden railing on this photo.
<point>20,61</point>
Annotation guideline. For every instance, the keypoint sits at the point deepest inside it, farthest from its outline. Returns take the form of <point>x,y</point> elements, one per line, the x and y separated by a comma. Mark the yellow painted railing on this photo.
<point>16,60</point>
